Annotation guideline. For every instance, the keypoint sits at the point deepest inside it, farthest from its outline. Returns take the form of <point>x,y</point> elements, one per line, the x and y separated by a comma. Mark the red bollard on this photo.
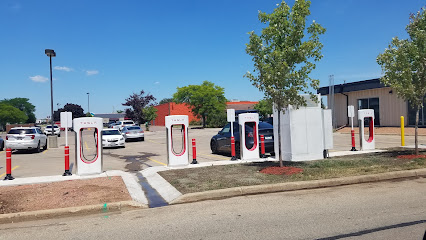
<point>262,146</point>
<point>233,157</point>
<point>194,152</point>
<point>9,164</point>
<point>353,140</point>
<point>67,162</point>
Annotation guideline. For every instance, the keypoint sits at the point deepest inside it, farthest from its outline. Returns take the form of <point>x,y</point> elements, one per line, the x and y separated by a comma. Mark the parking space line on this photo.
<point>153,141</point>
<point>157,162</point>
<point>45,151</point>
<point>87,147</point>
<point>12,170</point>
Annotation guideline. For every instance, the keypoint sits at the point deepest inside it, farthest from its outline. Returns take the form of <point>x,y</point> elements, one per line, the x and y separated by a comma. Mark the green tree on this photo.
<point>166,100</point>
<point>24,105</point>
<point>205,99</point>
<point>10,114</point>
<point>150,114</point>
<point>76,110</point>
<point>284,55</point>
<point>404,65</point>
<point>264,107</point>
<point>119,111</point>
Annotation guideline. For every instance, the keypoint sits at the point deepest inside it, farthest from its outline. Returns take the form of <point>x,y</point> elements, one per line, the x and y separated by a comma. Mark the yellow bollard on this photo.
<point>402,131</point>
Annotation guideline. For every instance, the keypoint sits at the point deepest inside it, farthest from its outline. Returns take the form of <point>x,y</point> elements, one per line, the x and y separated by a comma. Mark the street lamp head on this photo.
<point>50,52</point>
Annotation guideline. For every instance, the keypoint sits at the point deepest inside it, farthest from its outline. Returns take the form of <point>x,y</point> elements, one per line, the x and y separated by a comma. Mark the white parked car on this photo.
<point>48,130</point>
<point>24,138</point>
<point>133,132</point>
<point>119,125</point>
<point>112,138</point>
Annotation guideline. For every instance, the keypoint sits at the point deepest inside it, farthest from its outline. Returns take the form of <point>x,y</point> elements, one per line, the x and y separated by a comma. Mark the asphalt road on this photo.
<point>137,156</point>
<point>386,210</point>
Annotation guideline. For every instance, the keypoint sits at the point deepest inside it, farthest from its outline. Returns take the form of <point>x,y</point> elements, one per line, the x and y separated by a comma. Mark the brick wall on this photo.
<point>9,126</point>
<point>162,111</point>
<point>167,109</point>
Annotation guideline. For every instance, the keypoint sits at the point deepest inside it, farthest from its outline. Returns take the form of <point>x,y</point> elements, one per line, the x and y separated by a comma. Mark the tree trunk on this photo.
<point>416,142</point>
<point>204,120</point>
<point>280,156</point>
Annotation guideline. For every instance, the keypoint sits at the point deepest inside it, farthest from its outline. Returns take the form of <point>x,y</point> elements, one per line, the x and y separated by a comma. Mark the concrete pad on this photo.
<point>345,153</point>
<point>129,180</point>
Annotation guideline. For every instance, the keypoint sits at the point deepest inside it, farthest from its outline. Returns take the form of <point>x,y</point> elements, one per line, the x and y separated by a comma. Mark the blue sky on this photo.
<point>114,48</point>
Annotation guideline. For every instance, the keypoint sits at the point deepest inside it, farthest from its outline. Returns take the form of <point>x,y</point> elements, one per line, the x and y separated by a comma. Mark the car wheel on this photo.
<point>213,146</point>
<point>142,138</point>
<point>2,146</point>
<point>45,146</point>
<point>59,135</point>
<point>37,150</point>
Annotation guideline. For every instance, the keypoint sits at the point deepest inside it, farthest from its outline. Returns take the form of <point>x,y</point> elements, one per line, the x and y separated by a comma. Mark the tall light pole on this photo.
<point>88,105</point>
<point>51,53</point>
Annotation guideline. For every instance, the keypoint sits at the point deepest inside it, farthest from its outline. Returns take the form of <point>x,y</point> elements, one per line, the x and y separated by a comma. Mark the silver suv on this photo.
<point>48,130</point>
<point>24,138</point>
<point>121,124</point>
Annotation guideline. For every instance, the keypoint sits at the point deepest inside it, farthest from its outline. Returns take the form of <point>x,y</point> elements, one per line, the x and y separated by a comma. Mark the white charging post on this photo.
<point>86,165</point>
<point>351,114</point>
<point>66,122</point>
<point>230,114</point>
<point>250,120</point>
<point>368,144</point>
<point>177,158</point>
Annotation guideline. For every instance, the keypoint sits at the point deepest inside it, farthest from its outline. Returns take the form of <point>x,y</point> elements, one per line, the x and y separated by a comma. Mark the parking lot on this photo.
<point>138,155</point>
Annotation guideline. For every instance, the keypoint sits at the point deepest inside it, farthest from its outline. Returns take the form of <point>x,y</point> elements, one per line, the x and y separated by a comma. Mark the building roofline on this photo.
<point>353,86</point>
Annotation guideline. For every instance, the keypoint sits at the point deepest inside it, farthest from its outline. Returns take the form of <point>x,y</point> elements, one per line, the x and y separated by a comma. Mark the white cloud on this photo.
<point>39,78</point>
<point>91,72</point>
<point>157,83</point>
<point>66,69</point>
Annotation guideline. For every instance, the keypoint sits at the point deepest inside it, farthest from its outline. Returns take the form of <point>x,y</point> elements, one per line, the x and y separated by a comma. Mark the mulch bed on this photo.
<point>281,170</point>
<point>413,156</point>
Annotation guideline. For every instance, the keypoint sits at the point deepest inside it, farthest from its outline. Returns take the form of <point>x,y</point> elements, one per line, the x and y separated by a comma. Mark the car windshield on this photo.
<point>127,122</point>
<point>111,132</point>
<point>133,128</point>
<point>51,126</point>
<point>22,131</point>
<point>264,125</point>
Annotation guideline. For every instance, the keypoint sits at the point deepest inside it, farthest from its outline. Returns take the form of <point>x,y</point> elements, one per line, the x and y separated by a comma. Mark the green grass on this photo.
<point>235,175</point>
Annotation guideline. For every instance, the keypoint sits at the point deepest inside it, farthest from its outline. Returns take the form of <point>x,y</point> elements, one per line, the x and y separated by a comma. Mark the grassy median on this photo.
<point>235,175</point>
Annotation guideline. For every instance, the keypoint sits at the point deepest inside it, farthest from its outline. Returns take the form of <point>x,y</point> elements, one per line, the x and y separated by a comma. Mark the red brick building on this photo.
<point>167,109</point>
<point>241,105</point>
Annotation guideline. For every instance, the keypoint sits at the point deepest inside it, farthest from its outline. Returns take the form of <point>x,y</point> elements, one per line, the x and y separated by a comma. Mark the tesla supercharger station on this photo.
<point>88,131</point>
<point>249,123</point>
<point>366,114</point>
<point>177,153</point>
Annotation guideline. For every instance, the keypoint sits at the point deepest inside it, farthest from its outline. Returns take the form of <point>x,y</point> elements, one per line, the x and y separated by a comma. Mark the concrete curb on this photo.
<point>70,211</point>
<point>292,186</point>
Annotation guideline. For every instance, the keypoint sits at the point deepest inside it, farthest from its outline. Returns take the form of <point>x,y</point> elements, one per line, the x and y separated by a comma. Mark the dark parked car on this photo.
<point>221,143</point>
<point>1,144</point>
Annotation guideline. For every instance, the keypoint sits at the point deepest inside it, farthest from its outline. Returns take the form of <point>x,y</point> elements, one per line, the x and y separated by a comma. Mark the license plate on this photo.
<point>268,138</point>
